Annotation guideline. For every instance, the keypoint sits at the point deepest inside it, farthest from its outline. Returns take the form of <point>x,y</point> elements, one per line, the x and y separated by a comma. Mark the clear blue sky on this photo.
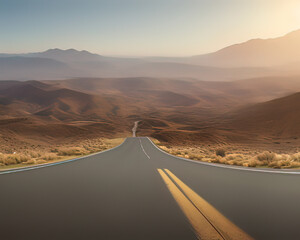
<point>142,27</point>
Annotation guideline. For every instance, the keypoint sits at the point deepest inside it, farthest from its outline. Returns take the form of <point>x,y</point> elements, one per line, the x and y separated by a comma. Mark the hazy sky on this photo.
<point>142,27</point>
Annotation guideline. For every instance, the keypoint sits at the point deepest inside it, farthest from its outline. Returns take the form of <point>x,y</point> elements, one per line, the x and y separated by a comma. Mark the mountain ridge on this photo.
<point>255,53</point>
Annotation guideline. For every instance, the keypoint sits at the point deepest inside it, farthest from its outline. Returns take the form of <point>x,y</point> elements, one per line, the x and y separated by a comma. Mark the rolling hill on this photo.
<point>279,117</point>
<point>208,94</point>
<point>169,109</point>
<point>33,98</point>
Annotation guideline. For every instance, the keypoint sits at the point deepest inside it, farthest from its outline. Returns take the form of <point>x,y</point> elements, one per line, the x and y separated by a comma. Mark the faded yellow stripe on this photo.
<point>228,229</point>
<point>202,228</point>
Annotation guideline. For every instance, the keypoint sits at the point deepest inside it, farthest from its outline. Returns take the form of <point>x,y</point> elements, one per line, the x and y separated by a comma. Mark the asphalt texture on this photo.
<point>119,194</point>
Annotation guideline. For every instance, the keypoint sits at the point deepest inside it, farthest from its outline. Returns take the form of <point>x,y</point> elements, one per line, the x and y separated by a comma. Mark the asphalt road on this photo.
<point>119,194</point>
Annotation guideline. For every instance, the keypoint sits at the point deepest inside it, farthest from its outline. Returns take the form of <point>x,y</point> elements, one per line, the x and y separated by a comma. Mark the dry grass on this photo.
<point>50,156</point>
<point>71,151</point>
<point>234,156</point>
<point>59,152</point>
<point>9,159</point>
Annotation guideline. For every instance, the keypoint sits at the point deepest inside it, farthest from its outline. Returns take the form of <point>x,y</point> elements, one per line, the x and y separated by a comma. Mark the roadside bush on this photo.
<point>274,164</point>
<point>220,152</point>
<point>295,157</point>
<point>40,161</point>
<point>1,158</point>
<point>195,156</point>
<point>39,154</point>
<point>10,159</point>
<point>71,151</point>
<point>295,165</point>
<point>50,156</point>
<point>34,154</point>
<point>22,157</point>
<point>236,157</point>
<point>253,163</point>
<point>31,161</point>
<point>266,156</point>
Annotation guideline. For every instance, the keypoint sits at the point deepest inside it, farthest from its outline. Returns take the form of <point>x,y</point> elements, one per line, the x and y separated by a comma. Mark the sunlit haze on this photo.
<point>142,27</point>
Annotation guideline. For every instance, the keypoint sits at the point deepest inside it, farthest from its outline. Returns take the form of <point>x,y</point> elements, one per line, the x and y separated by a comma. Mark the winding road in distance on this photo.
<point>136,191</point>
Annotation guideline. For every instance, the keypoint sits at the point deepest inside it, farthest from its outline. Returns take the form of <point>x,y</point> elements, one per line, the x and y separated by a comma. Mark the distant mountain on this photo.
<point>255,53</point>
<point>69,55</point>
<point>23,68</point>
<point>58,64</point>
<point>251,59</point>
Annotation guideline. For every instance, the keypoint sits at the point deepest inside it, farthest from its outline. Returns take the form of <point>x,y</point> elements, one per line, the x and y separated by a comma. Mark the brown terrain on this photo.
<point>250,115</point>
<point>173,104</point>
<point>169,109</point>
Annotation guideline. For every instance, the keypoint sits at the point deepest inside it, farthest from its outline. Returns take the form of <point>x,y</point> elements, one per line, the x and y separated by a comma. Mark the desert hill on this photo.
<point>270,123</point>
<point>35,113</point>
<point>169,109</point>
<point>279,117</point>
<point>35,98</point>
<point>173,109</point>
<point>204,94</point>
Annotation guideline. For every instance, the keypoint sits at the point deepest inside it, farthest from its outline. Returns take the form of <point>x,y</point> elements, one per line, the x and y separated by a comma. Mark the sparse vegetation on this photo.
<point>217,154</point>
<point>71,151</point>
<point>41,155</point>
<point>50,156</point>
<point>220,152</point>
<point>266,156</point>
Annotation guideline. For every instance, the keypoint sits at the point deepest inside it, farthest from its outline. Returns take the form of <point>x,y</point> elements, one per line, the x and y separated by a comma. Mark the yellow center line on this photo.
<point>222,227</point>
<point>202,228</point>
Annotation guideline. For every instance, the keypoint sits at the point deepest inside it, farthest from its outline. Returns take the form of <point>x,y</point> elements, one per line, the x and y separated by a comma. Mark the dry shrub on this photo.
<point>42,155</point>
<point>266,156</point>
<point>284,163</point>
<point>195,156</point>
<point>50,156</point>
<point>221,152</point>
<point>31,161</point>
<point>177,152</point>
<point>253,163</point>
<point>23,157</point>
<point>236,157</point>
<point>40,161</point>
<point>216,159</point>
<point>236,162</point>
<point>5,159</point>
<point>71,151</point>
<point>274,164</point>
<point>34,154</point>
<point>1,157</point>
<point>10,159</point>
<point>164,148</point>
<point>295,157</point>
<point>295,165</point>
<point>209,154</point>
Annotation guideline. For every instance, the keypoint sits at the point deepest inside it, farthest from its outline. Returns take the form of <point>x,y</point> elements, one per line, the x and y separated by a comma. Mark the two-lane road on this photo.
<point>124,194</point>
